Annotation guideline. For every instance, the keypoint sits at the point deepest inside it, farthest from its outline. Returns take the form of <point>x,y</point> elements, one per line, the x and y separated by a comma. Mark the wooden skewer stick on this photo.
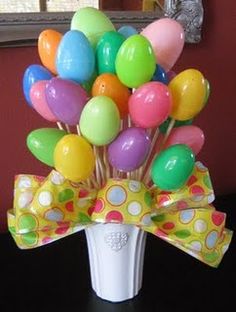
<point>78,129</point>
<point>98,175</point>
<point>60,125</point>
<point>89,183</point>
<point>107,168</point>
<point>93,179</point>
<point>152,187</point>
<point>137,175</point>
<point>129,122</point>
<point>115,173</point>
<point>67,128</point>
<point>168,131</point>
<point>121,124</point>
<point>101,166</point>
<point>147,177</point>
<point>128,174</point>
<point>140,172</point>
<point>144,167</point>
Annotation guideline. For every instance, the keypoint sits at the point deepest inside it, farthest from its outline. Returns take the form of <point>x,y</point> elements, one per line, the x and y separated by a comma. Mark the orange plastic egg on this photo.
<point>47,47</point>
<point>110,85</point>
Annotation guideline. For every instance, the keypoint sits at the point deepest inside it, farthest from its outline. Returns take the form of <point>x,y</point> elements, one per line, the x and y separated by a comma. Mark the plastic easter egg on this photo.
<point>192,136</point>
<point>178,123</point>
<point>74,158</point>
<point>100,120</point>
<point>107,49</point>
<point>42,142</point>
<point>172,167</point>
<point>75,57</point>
<point>127,31</point>
<point>208,92</point>
<point>92,22</point>
<point>135,62</point>
<point>188,93</point>
<point>160,75</point>
<point>32,74</point>
<point>167,39</point>
<point>150,104</point>
<point>48,43</point>
<point>129,150</point>
<point>66,100</point>
<point>39,101</point>
<point>109,85</point>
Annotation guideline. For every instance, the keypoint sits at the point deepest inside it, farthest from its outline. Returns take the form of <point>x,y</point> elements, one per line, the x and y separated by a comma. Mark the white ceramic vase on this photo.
<point>116,255</point>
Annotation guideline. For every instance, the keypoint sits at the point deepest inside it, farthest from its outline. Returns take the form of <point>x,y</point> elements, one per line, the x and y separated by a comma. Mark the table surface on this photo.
<point>56,277</point>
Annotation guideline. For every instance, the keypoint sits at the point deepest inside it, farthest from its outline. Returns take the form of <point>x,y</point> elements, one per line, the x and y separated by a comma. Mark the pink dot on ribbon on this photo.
<point>114,216</point>
<point>46,240</point>
<point>182,205</point>
<point>91,210</point>
<point>70,206</point>
<point>63,227</point>
<point>168,226</point>
<point>160,233</point>
<point>99,206</point>
<point>197,190</point>
<point>191,180</point>
<point>163,200</point>
<point>83,193</point>
<point>218,218</point>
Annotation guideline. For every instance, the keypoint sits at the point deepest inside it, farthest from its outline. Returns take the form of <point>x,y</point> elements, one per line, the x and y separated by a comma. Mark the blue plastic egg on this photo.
<point>127,31</point>
<point>75,58</point>
<point>160,75</point>
<point>32,74</point>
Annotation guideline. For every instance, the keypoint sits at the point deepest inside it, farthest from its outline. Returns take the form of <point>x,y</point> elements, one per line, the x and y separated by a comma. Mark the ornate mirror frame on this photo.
<point>22,29</point>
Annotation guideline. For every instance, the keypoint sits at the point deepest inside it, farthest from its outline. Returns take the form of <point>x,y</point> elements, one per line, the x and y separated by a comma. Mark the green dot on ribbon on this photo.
<point>30,238</point>
<point>211,257</point>
<point>148,199</point>
<point>207,182</point>
<point>182,234</point>
<point>158,218</point>
<point>12,230</point>
<point>28,222</point>
<point>83,218</point>
<point>65,195</point>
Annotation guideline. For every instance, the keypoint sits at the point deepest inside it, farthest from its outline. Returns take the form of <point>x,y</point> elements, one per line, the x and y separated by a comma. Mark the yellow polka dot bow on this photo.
<point>48,209</point>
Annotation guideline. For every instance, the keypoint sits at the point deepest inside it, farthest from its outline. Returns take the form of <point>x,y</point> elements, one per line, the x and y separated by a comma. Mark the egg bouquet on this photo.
<point>123,152</point>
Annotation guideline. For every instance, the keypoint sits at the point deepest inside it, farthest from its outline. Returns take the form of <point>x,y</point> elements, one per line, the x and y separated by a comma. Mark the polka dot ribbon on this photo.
<point>48,209</point>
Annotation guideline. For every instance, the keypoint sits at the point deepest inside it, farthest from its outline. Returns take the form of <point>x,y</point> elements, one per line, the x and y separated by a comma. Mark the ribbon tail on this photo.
<point>200,232</point>
<point>212,258</point>
<point>33,238</point>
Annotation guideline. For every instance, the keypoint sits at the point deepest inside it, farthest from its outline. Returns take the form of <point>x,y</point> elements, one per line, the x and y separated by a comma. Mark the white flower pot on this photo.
<point>116,255</point>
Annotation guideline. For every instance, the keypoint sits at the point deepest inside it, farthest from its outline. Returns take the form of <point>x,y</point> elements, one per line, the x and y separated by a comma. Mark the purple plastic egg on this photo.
<point>66,100</point>
<point>129,150</point>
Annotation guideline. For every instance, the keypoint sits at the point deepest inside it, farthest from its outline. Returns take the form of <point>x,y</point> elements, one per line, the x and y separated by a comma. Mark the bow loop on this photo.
<point>48,209</point>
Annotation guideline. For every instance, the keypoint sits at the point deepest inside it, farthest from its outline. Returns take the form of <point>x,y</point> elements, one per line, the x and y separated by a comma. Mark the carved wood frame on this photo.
<point>18,29</point>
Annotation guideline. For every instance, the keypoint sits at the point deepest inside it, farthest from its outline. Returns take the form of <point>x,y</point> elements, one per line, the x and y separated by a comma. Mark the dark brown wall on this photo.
<point>121,5</point>
<point>111,5</point>
<point>214,56</point>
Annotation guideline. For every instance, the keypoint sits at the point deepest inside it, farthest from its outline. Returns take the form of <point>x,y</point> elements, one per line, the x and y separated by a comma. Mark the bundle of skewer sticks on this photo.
<point>104,171</point>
